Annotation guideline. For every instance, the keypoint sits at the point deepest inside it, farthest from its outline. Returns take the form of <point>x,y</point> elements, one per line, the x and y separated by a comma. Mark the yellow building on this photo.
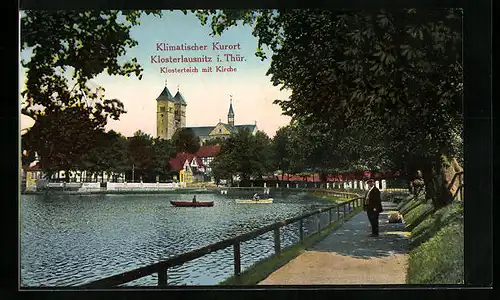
<point>170,113</point>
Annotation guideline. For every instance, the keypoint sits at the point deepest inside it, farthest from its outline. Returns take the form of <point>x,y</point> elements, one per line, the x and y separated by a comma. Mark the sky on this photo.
<point>207,93</point>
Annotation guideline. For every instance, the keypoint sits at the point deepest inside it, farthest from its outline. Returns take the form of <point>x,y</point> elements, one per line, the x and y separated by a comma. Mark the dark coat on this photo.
<point>374,201</point>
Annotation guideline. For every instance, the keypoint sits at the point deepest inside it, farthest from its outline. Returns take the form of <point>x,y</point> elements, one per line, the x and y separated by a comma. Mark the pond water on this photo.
<point>68,240</point>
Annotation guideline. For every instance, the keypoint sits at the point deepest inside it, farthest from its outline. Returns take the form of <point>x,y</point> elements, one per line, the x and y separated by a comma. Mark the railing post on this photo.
<point>343,204</point>
<point>277,242</point>
<point>301,230</point>
<point>318,218</point>
<point>237,259</point>
<point>338,213</point>
<point>330,216</point>
<point>461,181</point>
<point>162,278</point>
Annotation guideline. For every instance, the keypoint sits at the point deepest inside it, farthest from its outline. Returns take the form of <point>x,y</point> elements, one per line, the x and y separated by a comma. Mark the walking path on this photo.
<point>350,256</point>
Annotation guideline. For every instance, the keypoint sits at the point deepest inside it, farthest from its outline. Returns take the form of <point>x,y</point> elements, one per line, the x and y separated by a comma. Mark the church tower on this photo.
<point>230,114</point>
<point>170,113</point>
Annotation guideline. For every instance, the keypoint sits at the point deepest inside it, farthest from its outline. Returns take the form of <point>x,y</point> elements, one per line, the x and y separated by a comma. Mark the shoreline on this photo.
<point>199,190</point>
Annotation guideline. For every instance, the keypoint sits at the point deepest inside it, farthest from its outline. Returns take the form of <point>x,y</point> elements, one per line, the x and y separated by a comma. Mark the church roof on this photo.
<point>202,130</point>
<point>251,128</point>
<point>205,130</point>
<point>178,97</point>
<point>165,95</point>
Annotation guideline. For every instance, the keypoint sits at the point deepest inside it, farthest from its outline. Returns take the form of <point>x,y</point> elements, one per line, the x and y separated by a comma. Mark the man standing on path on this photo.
<point>373,206</point>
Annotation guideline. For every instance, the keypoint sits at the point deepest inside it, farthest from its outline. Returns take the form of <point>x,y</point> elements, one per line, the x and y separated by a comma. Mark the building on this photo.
<point>189,166</point>
<point>207,154</point>
<point>170,113</point>
<point>222,130</point>
<point>194,167</point>
<point>30,175</point>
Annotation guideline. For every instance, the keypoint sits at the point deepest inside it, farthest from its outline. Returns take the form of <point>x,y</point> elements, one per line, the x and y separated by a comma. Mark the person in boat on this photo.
<point>256,197</point>
<point>194,199</point>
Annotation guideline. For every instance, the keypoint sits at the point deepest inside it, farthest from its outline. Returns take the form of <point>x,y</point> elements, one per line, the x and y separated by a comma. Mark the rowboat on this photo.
<point>192,204</point>
<point>267,200</point>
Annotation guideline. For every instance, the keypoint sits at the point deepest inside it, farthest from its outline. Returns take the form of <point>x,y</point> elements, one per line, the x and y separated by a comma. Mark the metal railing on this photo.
<point>460,188</point>
<point>162,267</point>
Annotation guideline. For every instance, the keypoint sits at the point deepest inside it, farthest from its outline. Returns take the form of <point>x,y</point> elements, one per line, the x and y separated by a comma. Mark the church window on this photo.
<point>162,109</point>
<point>220,130</point>
<point>170,109</point>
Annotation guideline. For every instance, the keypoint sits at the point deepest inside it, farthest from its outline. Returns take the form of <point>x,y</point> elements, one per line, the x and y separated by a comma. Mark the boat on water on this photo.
<point>262,201</point>
<point>180,203</point>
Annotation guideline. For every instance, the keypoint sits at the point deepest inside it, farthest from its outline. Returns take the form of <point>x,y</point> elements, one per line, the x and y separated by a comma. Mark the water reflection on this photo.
<point>71,239</point>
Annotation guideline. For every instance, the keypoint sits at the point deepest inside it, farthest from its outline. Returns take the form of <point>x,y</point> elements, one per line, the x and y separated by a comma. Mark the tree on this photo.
<point>213,141</point>
<point>224,164</point>
<point>27,154</point>
<point>262,155</point>
<point>244,155</point>
<point>62,138</point>
<point>282,155</point>
<point>109,155</point>
<point>185,140</point>
<point>69,48</point>
<point>163,151</point>
<point>141,154</point>
<point>398,68</point>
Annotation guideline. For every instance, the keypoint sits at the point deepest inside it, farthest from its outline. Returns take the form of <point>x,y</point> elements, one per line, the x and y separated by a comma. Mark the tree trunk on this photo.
<point>436,187</point>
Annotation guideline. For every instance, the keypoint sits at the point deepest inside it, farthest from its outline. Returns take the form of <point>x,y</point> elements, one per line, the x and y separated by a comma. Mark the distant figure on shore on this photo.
<point>373,206</point>
<point>256,197</point>
<point>194,199</point>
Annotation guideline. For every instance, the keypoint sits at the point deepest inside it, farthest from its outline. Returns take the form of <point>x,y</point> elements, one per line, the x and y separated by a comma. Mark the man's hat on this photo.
<point>370,181</point>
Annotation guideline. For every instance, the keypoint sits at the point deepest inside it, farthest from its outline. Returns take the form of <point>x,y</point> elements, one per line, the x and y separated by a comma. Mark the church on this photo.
<point>171,115</point>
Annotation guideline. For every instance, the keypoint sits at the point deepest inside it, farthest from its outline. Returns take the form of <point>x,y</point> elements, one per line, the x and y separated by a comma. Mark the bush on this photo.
<point>432,224</point>
<point>440,260</point>
<point>395,197</point>
<point>417,215</point>
<point>411,205</point>
<point>405,202</point>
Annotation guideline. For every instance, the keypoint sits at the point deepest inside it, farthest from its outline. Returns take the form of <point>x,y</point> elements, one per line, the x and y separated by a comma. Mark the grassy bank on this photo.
<point>334,199</point>
<point>261,270</point>
<point>436,243</point>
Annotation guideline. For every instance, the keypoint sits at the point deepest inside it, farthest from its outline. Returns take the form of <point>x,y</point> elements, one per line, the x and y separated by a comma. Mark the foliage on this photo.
<point>429,227</point>
<point>185,140</point>
<point>405,202</point>
<point>140,148</point>
<point>415,216</point>
<point>414,202</point>
<point>282,152</point>
<point>27,155</point>
<point>440,260</point>
<point>68,49</point>
<point>163,151</point>
<point>62,138</point>
<point>244,155</point>
<point>85,42</point>
<point>213,141</point>
<point>396,75</point>
<point>108,155</point>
